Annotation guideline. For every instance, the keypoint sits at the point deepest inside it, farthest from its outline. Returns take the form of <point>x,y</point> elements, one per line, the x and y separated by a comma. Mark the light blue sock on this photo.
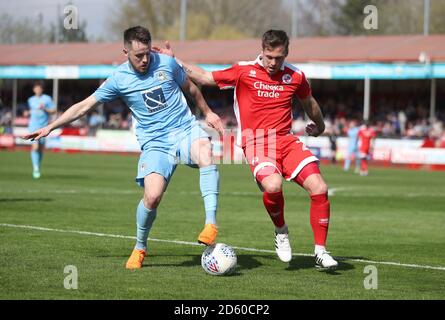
<point>358,162</point>
<point>35,159</point>
<point>209,184</point>
<point>144,221</point>
<point>347,164</point>
<point>40,158</point>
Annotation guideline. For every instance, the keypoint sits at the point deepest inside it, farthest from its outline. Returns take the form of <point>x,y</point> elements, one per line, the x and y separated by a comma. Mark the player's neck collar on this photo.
<point>130,66</point>
<point>259,60</point>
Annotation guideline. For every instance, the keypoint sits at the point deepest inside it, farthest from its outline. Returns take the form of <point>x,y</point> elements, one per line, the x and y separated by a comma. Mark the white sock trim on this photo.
<point>319,249</point>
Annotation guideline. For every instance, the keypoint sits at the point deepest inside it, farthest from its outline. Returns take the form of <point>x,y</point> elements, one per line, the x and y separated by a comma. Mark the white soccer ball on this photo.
<point>219,259</point>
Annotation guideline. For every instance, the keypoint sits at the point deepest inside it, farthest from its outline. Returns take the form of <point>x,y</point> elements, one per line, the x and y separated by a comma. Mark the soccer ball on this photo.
<point>219,259</point>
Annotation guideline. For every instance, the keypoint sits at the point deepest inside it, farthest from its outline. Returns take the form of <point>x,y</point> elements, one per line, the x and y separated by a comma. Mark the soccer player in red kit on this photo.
<point>264,90</point>
<point>365,138</point>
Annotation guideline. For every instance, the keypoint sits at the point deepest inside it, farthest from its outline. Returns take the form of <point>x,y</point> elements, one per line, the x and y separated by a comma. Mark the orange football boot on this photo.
<point>208,234</point>
<point>136,259</point>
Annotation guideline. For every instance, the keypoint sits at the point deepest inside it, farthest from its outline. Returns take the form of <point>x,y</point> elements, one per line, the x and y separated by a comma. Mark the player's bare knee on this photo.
<point>152,201</point>
<point>205,154</point>
<point>272,185</point>
<point>315,184</point>
<point>322,188</point>
<point>205,159</point>
<point>201,152</point>
<point>318,188</point>
<point>273,189</point>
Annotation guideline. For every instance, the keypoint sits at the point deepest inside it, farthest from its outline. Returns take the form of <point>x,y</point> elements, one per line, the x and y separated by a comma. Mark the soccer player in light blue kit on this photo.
<point>352,147</point>
<point>152,86</point>
<point>40,108</point>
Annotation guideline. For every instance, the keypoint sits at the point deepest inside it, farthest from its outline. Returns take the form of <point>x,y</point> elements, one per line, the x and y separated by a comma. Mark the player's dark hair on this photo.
<point>137,33</point>
<point>275,38</point>
<point>39,83</point>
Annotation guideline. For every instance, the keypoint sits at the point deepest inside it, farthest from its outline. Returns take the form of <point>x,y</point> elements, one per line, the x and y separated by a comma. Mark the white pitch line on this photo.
<point>97,234</point>
<point>332,191</point>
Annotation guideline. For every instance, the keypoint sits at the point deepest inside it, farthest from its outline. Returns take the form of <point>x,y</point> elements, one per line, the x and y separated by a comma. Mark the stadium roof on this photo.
<point>383,49</point>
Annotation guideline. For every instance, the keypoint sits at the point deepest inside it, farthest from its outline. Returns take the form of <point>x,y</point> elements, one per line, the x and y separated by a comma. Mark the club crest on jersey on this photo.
<point>161,76</point>
<point>252,73</point>
<point>287,78</point>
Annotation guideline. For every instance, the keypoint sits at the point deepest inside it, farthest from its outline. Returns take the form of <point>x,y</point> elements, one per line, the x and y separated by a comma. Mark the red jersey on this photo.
<point>263,102</point>
<point>365,135</point>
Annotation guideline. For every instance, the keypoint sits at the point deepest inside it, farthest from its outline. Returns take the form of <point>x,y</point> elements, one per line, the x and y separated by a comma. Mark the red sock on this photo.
<point>274,203</point>
<point>320,213</point>
<point>364,165</point>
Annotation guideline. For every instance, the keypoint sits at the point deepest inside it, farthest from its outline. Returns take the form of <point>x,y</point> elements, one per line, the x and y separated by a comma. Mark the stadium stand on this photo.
<point>405,76</point>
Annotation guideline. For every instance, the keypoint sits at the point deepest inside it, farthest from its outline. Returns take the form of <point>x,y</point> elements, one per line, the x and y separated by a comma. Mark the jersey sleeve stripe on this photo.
<point>292,67</point>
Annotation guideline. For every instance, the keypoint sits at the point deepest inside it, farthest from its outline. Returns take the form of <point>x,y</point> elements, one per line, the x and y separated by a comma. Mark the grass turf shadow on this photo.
<point>26,199</point>
<point>308,262</point>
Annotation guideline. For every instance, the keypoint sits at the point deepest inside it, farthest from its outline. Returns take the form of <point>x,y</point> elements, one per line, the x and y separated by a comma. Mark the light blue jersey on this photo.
<point>154,98</point>
<point>39,117</point>
<point>165,126</point>
<point>353,139</point>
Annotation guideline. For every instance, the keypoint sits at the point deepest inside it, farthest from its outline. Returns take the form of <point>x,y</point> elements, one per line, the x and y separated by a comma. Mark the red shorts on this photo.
<point>364,152</point>
<point>286,153</point>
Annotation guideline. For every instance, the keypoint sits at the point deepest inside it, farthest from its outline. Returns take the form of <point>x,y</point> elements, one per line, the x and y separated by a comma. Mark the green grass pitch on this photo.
<point>394,219</point>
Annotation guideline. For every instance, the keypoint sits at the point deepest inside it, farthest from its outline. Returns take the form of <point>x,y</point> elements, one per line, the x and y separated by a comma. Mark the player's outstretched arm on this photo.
<point>211,118</point>
<point>74,112</point>
<point>197,74</point>
<point>50,111</point>
<point>313,110</point>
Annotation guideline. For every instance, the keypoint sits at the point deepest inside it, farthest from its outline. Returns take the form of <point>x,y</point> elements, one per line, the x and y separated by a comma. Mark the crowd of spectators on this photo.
<point>398,117</point>
<point>391,118</point>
